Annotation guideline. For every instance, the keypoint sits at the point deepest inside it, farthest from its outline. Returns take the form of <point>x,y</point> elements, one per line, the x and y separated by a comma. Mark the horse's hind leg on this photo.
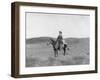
<point>64,51</point>
<point>55,53</point>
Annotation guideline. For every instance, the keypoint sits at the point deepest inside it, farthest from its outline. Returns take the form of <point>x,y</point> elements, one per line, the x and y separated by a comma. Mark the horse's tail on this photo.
<point>66,46</point>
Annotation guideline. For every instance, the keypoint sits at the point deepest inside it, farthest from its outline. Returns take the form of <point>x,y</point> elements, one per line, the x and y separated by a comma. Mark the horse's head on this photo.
<point>52,41</point>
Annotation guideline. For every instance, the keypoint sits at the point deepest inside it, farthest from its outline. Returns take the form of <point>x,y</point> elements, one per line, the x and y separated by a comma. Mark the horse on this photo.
<point>55,47</point>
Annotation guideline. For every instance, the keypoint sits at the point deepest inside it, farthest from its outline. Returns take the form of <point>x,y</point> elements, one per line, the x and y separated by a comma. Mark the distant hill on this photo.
<point>76,40</point>
<point>46,39</point>
<point>37,40</point>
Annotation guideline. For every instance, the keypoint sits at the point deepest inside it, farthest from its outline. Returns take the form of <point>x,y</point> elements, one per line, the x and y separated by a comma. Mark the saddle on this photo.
<point>59,45</point>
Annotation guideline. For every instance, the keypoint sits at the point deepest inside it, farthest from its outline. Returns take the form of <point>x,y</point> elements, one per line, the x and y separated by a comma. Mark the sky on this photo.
<point>49,25</point>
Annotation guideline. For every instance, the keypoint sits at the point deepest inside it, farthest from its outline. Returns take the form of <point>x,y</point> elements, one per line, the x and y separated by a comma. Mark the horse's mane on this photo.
<point>52,39</point>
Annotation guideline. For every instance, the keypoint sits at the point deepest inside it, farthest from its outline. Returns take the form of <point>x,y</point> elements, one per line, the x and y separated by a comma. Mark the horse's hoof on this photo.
<point>55,56</point>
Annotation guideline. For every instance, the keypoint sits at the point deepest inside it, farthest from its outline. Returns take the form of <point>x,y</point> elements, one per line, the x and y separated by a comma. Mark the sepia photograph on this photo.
<point>57,39</point>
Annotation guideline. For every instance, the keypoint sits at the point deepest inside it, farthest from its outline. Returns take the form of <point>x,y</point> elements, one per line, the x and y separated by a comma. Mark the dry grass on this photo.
<point>39,54</point>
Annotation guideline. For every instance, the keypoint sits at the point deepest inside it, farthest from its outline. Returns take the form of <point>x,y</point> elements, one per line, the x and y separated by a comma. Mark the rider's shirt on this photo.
<point>60,38</point>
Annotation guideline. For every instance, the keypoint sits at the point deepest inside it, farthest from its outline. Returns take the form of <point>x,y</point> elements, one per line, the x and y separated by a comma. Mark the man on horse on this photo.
<point>59,40</point>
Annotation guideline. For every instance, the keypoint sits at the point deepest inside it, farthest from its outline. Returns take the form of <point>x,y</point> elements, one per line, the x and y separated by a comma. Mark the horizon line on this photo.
<point>56,37</point>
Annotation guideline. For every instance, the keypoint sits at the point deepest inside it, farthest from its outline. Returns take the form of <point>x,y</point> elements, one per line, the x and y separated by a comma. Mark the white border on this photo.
<point>36,70</point>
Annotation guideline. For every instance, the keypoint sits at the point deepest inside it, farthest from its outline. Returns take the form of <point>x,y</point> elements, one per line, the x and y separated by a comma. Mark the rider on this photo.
<point>60,40</point>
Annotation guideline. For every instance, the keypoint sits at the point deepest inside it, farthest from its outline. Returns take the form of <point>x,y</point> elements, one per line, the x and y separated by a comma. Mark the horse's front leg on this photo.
<point>56,53</point>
